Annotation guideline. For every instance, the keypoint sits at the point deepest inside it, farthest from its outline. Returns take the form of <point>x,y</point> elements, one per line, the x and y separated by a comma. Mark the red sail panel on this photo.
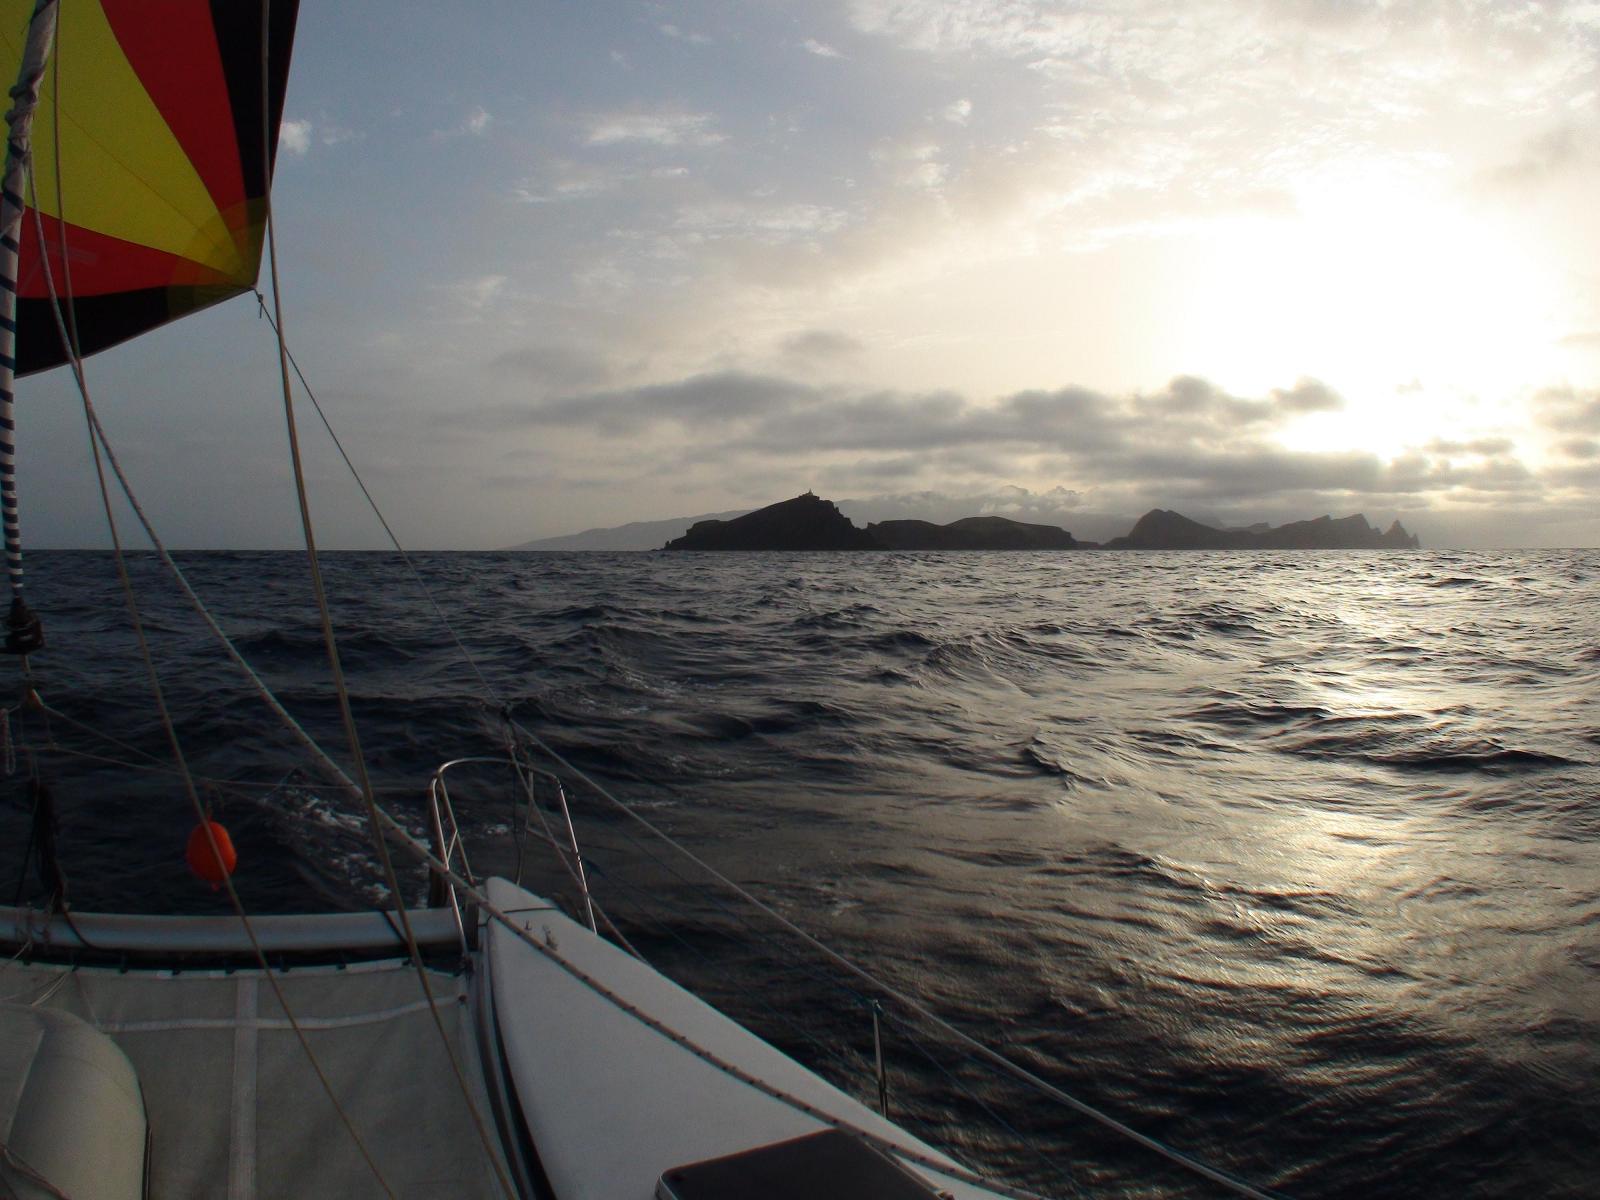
<point>172,47</point>
<point>102,265</point>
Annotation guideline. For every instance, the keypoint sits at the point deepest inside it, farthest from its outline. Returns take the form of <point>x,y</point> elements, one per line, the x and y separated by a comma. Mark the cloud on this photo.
<point>761,221</point>
<point>820,49</point>
<point>1567,410</point>
<point>563,180</point>
<point>1548,154</point>
<point>1056,456</point>
<point>552,368</point>
<point>1482,447</point>
<point>295,136</point>
<point>1195,103</point>
<point>475,124</point>
<point>958,112</point>
<point>821,344</point>
<point>771,415</point>
<point>654,129</point>
<point>477,293</point>
<point>679,34</point>
<point>918,165</point>
<point>932,504</point>
<point>1307,396</point>
<point>697,404</point>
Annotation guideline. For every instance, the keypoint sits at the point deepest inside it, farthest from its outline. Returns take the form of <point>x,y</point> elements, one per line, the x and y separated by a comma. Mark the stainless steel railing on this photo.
<point>450,848</point>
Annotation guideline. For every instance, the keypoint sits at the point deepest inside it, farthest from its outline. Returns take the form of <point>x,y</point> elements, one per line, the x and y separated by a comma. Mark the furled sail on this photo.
<point>153,143</point>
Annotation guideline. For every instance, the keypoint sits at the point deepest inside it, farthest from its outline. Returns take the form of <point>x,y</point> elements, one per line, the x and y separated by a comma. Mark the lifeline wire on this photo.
<point>994,1057</point>
<point>422,855</point>
<point>335,667</point>
<point>1240,1186</point>
<point>70,345</point>
<point>1005,1064</point>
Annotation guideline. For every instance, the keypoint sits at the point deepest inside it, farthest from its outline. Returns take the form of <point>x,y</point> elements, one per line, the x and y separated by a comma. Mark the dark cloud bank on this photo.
<point>1190,446</point>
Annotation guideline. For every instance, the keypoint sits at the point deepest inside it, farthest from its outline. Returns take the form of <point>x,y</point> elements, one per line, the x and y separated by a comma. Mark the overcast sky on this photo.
<point>559,265</point>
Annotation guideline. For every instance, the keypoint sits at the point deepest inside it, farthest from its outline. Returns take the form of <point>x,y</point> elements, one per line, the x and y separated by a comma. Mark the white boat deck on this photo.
<point>606,1075</point>
<point>235,1110</point>
<point>611,1102</point>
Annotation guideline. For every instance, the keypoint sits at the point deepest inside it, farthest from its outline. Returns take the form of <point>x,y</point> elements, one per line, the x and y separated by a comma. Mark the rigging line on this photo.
<point>816,976</point>
<point>263,692</point>
<point>243,786</point>
<point>205,824</point>
<point>488,690</point>
<point>847,1069</point>
<point>472,663</point>
<point>328,762</point>
<point>910,1035</point>
<point>616,934</point>
<point>346,714</point>
<point>994,1057</point>
<point>560,852</point>
<point>73,343</point>
<point>946,1166</point>
<point>298,731</point>
<point>152,762</point>
<point>70,344</point>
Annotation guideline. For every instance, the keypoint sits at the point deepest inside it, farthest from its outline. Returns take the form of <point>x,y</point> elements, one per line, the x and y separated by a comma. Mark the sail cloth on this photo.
<point>162,170</point>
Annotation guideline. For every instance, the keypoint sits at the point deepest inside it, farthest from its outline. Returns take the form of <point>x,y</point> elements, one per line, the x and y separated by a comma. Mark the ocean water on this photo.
<point>1289,860</point>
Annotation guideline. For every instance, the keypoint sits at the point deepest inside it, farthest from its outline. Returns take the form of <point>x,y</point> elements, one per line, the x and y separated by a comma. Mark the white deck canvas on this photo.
<point>236,1112</point>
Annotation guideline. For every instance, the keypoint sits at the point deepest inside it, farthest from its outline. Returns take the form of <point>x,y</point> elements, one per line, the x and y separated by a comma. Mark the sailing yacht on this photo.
<point>488,1044</point>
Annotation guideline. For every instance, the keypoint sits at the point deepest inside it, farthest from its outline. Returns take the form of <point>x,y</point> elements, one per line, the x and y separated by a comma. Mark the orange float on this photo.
<point>211,866</point>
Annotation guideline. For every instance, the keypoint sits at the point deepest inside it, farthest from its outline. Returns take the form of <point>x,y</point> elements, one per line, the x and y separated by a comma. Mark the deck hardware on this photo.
<point>877,1054</point>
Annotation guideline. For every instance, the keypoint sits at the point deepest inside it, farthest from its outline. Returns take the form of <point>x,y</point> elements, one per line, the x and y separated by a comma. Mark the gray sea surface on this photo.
<point>1290,860</point>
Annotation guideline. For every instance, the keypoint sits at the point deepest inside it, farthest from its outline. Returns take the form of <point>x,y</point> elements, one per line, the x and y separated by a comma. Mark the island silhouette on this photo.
<point>809,522</point>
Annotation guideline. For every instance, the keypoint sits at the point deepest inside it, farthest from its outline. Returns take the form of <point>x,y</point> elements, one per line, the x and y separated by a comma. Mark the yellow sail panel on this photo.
<point>123,172</point>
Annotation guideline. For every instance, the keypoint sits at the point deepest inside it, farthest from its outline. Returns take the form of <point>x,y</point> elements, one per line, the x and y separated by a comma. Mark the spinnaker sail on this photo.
<point>153,143</point>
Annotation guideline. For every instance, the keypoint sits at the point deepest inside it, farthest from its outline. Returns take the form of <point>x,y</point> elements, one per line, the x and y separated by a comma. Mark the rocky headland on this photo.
<point>1163,529</point>
<point>805,523</point>
<point>809,522</point>
<point>971,533</point>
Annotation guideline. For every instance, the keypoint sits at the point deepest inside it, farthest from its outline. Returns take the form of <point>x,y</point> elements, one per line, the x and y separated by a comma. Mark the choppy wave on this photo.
<point>1290,859</point>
